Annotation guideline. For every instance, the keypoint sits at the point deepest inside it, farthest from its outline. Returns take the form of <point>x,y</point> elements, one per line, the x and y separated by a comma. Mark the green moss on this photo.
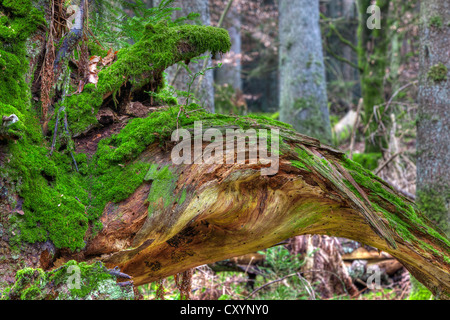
<point>438,72</point>
<point>368,160</point>
<point>49,188</point>
<point>163,186</point>
<point>433,203</point>
<point>96,50</point>
<point>418,291</point>
<point>265,120</point>
<point>160,47</point>
<point>19,21</point>
<point>51,211</point>
<point>112,182</point>
<point>406,217</point>
<point>300,165</point>
<point>183,197</point>
<point>95,283</point>
<point>59,204</point>
<point>402,216</point>
<point>436,22</point>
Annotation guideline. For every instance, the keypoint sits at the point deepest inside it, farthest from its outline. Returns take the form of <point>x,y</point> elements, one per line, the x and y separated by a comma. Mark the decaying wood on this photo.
<point>363,254</point>
<point>231,210</point>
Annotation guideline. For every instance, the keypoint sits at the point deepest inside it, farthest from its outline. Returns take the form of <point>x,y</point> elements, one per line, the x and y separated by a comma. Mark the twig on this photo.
<point>116,273</point>
<point>95,39</point>
<point>175,76</point>
<point>270,283</point>
<point>125,284</point>
<point>55,132</point>
<point>341,38</point>
<point>299,274</point>
<point>355,126</point>
<point>66,126</point>
<point>378,170</point>
<point>308,286</point>
<point>396,93</point>
<point>342,59</point>
<point>224,13</point>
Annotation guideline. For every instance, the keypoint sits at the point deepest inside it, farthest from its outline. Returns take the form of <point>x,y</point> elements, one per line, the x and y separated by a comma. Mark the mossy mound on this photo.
<point>72,281</point>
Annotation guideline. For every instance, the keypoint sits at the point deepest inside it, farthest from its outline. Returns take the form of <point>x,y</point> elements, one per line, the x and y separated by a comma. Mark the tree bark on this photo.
<point>303,95</point>
<point>433,136</point>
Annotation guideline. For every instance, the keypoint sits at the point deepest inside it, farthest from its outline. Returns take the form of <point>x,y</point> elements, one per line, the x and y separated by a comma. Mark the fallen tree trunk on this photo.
<point>231,210</point>
<point>130,206</point>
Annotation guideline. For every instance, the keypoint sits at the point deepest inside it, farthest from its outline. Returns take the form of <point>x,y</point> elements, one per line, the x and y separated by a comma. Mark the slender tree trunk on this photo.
<point>303,96</point>
<point>433,134</point>
<point>230,72</point>
<point>373,49</point>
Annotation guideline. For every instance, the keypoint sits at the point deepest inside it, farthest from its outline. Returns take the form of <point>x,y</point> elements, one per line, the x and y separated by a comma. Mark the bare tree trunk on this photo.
<point>303,95</point>
<point>230,72</point>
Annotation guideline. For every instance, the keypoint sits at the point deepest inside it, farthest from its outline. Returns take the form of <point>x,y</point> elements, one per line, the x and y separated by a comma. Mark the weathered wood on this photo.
<point>232,210</point>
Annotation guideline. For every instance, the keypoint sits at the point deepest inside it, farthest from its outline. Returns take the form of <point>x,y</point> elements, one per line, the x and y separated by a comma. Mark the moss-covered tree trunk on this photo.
<point>128,205</point>
<point>373,37</point>
<point>433,139</point>
<point>433,134</point>
<point>303,95</point>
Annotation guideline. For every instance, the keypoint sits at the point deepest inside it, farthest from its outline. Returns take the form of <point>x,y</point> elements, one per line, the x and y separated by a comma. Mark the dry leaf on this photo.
<point>93,63</point>
<point>92,69</point>
<point>110,56</point>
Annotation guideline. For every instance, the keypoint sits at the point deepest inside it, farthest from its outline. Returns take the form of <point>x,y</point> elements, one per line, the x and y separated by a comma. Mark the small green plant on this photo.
<point>281,277</point>
<point>436,22</point>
